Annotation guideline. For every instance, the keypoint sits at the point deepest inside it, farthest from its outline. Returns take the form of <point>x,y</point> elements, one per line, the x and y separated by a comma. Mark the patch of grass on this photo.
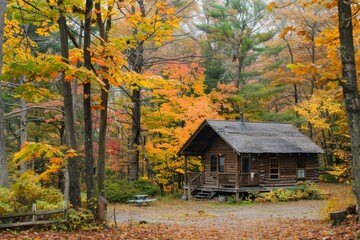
<point>341,197</point>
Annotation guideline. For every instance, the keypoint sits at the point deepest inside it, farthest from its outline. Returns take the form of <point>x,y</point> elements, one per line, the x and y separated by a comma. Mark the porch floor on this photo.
<point>247,189</point>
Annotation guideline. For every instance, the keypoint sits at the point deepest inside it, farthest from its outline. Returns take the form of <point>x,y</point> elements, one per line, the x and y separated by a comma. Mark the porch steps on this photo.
<point>204,195</point>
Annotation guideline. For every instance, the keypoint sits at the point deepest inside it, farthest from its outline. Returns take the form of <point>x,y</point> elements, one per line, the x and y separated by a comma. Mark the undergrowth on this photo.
<point>302,190</point>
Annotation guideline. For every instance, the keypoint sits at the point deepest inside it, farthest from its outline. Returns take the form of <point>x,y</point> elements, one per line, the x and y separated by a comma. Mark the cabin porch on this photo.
<point>222,183</point>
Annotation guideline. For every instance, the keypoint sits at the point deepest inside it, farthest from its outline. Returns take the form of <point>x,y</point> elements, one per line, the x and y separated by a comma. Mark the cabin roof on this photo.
<point>250,137</point>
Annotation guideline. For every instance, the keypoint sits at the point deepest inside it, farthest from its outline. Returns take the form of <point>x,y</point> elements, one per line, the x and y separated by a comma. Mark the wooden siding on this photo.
<point>288,169</point>
<point>219,147</point>
<point>259,164</point>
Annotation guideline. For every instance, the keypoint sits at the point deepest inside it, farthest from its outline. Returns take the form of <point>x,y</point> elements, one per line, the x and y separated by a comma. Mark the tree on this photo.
<point>235,37</point>
<point>179,107</point>
<point>88,138</point>
<point>104,26</point>
<point>4,177</point>
<point>350,88</point>
<point>73,165</point>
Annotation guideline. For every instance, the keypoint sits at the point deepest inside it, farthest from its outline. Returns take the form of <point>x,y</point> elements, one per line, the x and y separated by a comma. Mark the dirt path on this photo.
<point>212,212</point>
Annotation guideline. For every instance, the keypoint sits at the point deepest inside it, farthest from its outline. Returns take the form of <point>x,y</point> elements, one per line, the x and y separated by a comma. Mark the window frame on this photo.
<point>218,168</point>
<point>249,159</point>
<point>301,166</point>
<point>213,167</point>
<point>215,163</point>
<point>273,168</point>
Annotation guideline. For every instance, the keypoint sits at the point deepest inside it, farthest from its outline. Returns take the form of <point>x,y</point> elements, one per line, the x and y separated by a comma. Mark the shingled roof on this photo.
<point>250,137</point>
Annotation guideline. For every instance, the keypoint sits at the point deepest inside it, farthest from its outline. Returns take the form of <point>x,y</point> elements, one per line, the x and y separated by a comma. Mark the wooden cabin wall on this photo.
<point>288,169</point>
<point>219,147</point>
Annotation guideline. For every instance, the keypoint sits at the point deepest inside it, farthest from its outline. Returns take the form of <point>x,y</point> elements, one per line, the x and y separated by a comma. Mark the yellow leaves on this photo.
<point>54,156</point>
<point>71,153</point>
<point>45,30</point>
<point>271,6</point>
<point>320,109</point>
<point>75,55</point>
<point>286,30</point>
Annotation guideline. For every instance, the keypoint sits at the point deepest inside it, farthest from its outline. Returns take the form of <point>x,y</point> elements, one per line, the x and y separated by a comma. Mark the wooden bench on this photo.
<point>140,199</point>
<point>139,202</point>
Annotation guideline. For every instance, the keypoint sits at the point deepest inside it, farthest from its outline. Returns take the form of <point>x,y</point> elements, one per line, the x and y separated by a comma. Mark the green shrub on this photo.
<point>26,191</point>
<point>329,178</point>
<point>302,190</point>
<point>121,191</point>
<point>82,219</point>
<point>4,194</point>
<point>145,187</point>
<point>5,208</point>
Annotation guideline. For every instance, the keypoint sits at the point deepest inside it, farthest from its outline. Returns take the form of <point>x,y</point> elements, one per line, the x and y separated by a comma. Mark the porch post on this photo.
<point>237,172</point>
<point>186,180</point>
<point>237,178</point>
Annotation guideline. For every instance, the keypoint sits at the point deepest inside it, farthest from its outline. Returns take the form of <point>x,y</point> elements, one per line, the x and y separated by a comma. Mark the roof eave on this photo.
<point>181,151</point>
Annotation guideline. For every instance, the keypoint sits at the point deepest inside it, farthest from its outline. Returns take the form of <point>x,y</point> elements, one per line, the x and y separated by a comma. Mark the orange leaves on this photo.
<point>286,30</point>
<point>180,106</point>
<point>271,6</point>
<point>318,109</point>
<point>56,156</point>
<point>56,160</point>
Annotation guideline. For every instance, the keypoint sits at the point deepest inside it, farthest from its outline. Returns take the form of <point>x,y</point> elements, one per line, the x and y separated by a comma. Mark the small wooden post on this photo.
<point>65,209</point>
<point>186,179</point>
<point>102,208</point>
<point>34,212</point>
<point>237,169</point>
<point>237,196</point>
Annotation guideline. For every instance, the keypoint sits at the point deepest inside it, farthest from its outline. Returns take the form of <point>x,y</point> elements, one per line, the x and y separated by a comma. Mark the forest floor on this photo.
<point>177,219</point>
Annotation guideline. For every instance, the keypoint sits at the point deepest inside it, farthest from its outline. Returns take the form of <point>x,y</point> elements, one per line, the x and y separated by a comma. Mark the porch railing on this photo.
<point>195,179</point>
<point>245,179</point>
<point>249,179</point>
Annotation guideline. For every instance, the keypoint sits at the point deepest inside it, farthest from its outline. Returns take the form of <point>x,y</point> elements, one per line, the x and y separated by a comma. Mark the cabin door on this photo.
<point>245,165</point>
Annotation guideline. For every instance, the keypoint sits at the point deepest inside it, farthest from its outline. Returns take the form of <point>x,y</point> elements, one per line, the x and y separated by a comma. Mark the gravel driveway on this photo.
<point>213,212</point>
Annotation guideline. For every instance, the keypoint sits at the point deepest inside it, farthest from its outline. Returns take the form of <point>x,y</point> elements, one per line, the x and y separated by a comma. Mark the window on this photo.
<point>213,163</point>
<point>221,165</point>
<point>274,169</point>
<point>217,163</point>
<point>245,164</point>
<point>301,168</point>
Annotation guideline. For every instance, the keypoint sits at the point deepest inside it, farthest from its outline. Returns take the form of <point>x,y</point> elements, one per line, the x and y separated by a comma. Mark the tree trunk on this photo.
<point>23,126</point>
<point>89,158</point>
<point>350,89</point>
<point>135,135</point>
<point>104,104</point>
<point>136,61</point>
<point>102,139</point>
<point>73,164</point>
<point>4,176</point>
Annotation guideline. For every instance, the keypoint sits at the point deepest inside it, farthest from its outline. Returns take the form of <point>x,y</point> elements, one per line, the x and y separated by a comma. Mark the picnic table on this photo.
<point>141,198</point>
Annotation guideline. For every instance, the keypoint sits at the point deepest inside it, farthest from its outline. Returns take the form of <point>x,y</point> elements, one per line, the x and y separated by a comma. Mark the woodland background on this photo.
<point>112,89</point>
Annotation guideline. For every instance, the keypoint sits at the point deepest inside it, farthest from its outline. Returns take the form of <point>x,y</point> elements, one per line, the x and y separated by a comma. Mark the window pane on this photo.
<point>301,163</point>
<point>301,173</point>
<point>274,169</point>
<point>274,176</point>
<point>221,164</point>
<point>213,163</point>
<point>245,164</point>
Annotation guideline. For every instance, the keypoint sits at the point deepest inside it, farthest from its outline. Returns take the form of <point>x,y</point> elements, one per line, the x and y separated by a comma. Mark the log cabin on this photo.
<point>242,157</point>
